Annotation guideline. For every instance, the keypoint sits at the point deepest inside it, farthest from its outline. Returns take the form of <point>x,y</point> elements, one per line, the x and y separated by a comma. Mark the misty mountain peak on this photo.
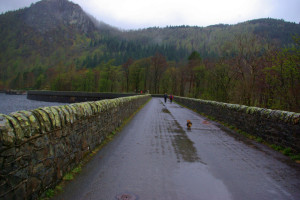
<point>47,15</point>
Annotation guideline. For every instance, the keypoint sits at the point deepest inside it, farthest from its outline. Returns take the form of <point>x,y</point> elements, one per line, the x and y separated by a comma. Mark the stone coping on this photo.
<point>20,126</point>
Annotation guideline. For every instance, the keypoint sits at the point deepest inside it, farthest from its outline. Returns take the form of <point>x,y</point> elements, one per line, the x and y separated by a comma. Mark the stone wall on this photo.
<point>73,97</point>
<point>38,147</point>
<point>274,126</point>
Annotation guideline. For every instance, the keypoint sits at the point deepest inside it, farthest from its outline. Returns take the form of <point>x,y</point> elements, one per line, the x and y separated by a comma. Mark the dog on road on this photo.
<point>189,124</point>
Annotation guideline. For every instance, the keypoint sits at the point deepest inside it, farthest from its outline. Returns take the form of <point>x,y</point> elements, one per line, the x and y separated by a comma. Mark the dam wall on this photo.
<point>38,147</point>
<point>73,97</point>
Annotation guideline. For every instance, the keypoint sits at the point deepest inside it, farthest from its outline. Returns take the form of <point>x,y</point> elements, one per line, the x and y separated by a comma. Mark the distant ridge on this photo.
<point>47,15</point>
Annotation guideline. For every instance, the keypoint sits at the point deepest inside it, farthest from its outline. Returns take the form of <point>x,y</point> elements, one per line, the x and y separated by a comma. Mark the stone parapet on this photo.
<point>277,127</point>
<point>73,97</point>
<point>38,147</point>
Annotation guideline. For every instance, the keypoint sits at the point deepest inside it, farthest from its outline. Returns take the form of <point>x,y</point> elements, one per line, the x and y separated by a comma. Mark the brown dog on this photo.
<point>189,124</point>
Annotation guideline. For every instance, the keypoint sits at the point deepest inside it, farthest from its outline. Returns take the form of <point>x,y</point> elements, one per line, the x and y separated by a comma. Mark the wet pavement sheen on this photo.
<point>156,157</point>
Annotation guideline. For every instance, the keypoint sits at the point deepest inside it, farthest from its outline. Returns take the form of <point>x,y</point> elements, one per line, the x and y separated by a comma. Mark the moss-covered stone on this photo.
<point>24,123</point>
<point>101,106</point>
<point>93,107</point>
<point>52,116</point>
<point>98,107</point>
<point>79,112</point>
<point>59,116</point>
<point>87,109</point>
<point>17,129</point>
<point>34,122</point>
<point>7,134</point>
<point>253,110</point>
<point>62,117</point>
<point>296,118</point>
<point>265,113</point>
<point>71,111</point>
<point>44,120</point>
<point>275,115</point>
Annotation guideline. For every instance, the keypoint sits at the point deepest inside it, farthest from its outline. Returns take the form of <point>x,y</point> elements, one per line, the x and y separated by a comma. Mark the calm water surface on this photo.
<point>12,103</point>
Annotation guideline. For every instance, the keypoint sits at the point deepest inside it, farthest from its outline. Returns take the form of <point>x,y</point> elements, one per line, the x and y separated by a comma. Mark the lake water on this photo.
<point>12,103</point>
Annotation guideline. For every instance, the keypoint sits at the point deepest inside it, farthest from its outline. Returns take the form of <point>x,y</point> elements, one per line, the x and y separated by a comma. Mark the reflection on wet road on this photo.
<point>156,157</point>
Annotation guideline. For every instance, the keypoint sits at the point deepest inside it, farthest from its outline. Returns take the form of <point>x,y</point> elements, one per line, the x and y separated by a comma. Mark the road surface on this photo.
<point>155,157</point>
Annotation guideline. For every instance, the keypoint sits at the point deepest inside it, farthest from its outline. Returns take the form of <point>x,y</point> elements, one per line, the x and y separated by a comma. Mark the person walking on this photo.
<point>166,97</point>
<point>171,98</point>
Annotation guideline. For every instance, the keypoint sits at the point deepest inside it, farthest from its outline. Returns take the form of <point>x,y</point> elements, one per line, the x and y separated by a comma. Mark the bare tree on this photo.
<point>159,65</point>
<point>125,67</point>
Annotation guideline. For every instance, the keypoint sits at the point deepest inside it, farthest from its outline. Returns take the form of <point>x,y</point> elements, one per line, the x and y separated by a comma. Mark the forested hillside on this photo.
<point>55,45</point>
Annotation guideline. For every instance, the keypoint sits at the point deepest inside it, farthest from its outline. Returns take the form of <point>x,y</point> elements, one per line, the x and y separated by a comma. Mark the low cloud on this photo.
<point>134,14</point>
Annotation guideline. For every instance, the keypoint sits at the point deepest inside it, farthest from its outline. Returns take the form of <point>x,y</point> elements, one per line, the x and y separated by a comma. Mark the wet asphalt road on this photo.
<point>155,157</point>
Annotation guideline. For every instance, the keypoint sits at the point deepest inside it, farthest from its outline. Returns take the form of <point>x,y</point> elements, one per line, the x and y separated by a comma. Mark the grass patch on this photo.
<point>50,193</point>
<point>258,139</point>
<point>68,177</point>
<point>76,170</point>
<point>287,151</point>
<point>275,147</point>
<point>59,188</point>
<point>296,157</point>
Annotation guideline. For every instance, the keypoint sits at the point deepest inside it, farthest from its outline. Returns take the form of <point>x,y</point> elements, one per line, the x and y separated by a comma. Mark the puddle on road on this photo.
<point>183,146</point>
<point>164,110</point>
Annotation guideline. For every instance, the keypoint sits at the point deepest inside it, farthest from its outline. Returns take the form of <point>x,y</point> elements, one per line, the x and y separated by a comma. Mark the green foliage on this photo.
<point>296,157</point>
<point>59,188</point>
<point>277,148</point>
<point>76,170</point>
<point>68,177</point>
<point>49,193</point>
<point>195,56</point>
<point>287,151</point>
<point>258,139</point>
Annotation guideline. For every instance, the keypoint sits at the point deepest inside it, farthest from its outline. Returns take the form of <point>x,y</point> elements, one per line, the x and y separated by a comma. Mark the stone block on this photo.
<point>38,170</point>
<point>44,119</point>
<point>78,111</point>
<point>48,178</point>
<point>34,122</point>
<point>66,117</point>
<point>87,109</point>
<point>20,192</point>
<point>6,192</point>
<point>58,117</point>
<point>72,112</point>
<point>53,118</point>
<point>93,107</point>
<point>17,129</point>
<point>296,118</point>
<point>7,134</point>
<point>33,186</point>
<point>41,142</point>
<point>24,123</point>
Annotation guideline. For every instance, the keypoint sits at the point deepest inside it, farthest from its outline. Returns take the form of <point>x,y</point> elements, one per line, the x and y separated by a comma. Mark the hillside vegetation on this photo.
<point>55,45</point>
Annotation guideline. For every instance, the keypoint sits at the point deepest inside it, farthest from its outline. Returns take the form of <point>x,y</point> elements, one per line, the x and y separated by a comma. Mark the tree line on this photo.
<point>246,73</point>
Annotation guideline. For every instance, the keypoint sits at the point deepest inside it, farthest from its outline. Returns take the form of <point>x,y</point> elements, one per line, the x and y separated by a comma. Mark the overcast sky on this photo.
<point>135,14</point>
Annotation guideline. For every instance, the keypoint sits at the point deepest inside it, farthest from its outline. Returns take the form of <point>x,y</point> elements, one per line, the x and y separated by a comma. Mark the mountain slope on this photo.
<point>47,15</point>
<point>176,43</point>
<point>41,35</point>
